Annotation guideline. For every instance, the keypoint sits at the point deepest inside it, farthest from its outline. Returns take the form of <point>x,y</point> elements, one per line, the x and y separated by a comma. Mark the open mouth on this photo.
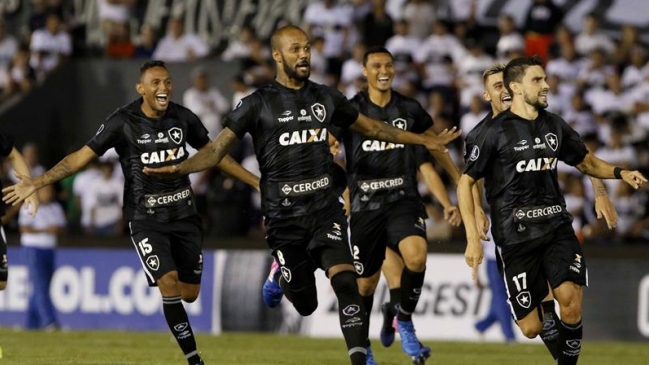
<point>304,66</point>
<point>506,99</point>
<point>162,98</point>
<point>383,80</point>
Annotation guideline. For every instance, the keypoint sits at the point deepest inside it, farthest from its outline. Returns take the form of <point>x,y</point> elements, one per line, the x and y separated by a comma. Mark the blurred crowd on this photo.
<point>599,83</point>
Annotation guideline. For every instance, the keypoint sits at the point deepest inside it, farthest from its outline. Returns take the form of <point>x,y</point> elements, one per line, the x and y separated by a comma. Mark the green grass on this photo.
<point>124,348</point>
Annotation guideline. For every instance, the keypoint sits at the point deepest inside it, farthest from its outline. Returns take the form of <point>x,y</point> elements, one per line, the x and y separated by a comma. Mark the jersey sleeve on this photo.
<point>197,135</point>
<point>422,155</point>
<point>108,135</point>
<point>244,116</point>
<point>345,114</point>
<point>573,150</point>
<point>6,144</point>
<point>479,151</point>
<point>423,120</point>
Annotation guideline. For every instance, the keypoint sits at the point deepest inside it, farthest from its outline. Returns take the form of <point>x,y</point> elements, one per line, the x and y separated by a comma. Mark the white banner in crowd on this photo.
<point>448,308</point>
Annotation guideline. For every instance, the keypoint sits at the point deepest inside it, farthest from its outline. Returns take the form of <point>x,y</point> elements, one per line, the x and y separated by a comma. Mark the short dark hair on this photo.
<point>375,49</point>
<point>515,70</point>
<point>151,64</point>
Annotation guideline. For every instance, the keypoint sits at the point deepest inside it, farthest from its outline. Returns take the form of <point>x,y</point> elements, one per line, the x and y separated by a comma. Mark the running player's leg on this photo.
<point>407,227</point>
<point>550,325</point>
<point>499,300</point>
<point>329,248</point>
<point>526,286</point>
<point>4,267</point>
<point>391,268</point>
<point>368,250</point>
<point>567,273</point>
<point>152,241</point>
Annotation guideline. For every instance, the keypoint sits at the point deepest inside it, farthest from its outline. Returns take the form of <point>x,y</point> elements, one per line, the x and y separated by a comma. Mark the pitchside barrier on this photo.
<point>106,289</point>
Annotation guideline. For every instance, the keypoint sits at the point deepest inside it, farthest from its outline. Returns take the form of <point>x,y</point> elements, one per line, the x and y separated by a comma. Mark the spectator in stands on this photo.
<point>105,195</point>
<point>474,115</point>
<point>542,18</point>
<point>49,46</point>
<point>609,99</point>
<point>469,72</point>
<point>239,47</point>
<point>579,115</point>
<point>240,89</point>
<point>377,25</point>
<point>178,46</point>
<point>592,38</point>
<point>567,66</point>
<point>633,222</point>
<point>118,44</point>
<point>333,22</point>
<point>510,39</point>
<point>8,47</point>
<point>206,101</point>
<point>80,189</point>
<point>403,47</point>
<point>30,154</point>
<point>635,71</point>
<point>352,70</point>
<point>147,42</point>
<point>420,15</point>
<point>37,18</point>
<point>595,70</point>
<point>114,12</point>
<point>39,238</point>
<point>257,67</point>
<point>558,95</point>
<point>319,62</point>
<point>22,76</point>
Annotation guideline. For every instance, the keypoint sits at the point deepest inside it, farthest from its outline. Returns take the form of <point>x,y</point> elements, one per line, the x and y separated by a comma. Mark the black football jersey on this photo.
<point>289,130</point>
<point>141,141</point>
<point>6,146</point>
<point>382,172</point>
<point>518,160</point>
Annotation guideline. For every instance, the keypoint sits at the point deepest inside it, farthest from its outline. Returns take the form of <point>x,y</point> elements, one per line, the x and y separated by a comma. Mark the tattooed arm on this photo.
<point>603,205</point>
<point>385,132</point>
<point>69,165</point>
<point>208,156</point>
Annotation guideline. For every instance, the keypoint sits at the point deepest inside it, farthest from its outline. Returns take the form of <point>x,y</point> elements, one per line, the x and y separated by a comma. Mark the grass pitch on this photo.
<point>129,348</point>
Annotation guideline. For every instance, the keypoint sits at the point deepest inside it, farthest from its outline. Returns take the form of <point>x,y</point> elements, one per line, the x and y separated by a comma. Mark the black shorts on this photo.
<point>170,246</point>
<point>4,266</point>
<point>303,244</point>
<point>529,267</point>
<point>374,230</point>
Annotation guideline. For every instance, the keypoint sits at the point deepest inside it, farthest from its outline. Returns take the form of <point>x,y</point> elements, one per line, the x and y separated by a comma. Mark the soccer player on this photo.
<point>386,209</point>
<point>165,228</point>
<point>17,161</point>
<point>517,153</point>
<point>289,120</point>
<point>500,100</point>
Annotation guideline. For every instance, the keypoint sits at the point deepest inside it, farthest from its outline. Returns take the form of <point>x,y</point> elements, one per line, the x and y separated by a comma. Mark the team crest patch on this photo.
<point>359,267</point>
<point>153,262</point>
<point>319,112</point>
<point>400,123</point>
<point>286,273</point>
<point>574,344</point>
<point>475,153</point>
<point>524,299</point>
<point>176,135</point>
<point>552,140</point>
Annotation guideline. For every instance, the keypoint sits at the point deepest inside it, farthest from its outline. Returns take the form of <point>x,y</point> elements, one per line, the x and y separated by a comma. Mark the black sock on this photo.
<point>411,283</point>
<point>353,318</point>
<point>368,303</point>
<point>569,343</point>
<point>179,325</point>
<point>550,328</point>
<point>395,297</point>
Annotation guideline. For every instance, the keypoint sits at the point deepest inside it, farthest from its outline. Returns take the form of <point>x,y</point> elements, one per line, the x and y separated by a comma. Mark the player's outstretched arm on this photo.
<point>209,156</point>
<point>385,132</point>
<point>603,205</point>
<point>231,167</point>
<point>474,252</point>
<point>593,166</point>
<point>436,187</point>
<point>17,162</point>
<point>27,186</point>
